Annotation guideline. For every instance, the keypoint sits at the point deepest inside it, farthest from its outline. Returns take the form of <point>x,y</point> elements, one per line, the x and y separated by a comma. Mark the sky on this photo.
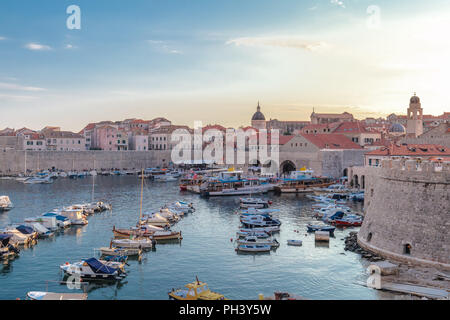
<point>213,60</point>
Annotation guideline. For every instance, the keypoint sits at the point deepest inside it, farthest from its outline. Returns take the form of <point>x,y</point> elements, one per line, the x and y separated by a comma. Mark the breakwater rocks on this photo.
<point>351,244</point>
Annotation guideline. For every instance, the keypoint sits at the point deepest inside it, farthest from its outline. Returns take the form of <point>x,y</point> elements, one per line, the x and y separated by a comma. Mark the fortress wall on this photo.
<point>408,204</point>
<point>14,162</point>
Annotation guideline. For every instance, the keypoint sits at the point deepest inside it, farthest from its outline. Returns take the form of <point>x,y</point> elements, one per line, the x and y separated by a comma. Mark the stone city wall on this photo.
<point>407,212</point>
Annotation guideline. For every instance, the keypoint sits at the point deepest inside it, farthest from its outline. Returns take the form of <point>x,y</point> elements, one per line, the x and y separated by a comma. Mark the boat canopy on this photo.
<point>25,229</point>
<point>57,216</point>
<point>99,267</point>
<point>4,239</point>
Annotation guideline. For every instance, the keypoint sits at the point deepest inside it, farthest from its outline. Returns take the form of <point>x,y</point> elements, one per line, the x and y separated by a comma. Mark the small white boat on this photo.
<point>294,242</point>
<point>39,180</point>
<point>5,203</point>
<point>253,248</point>
<point>41,295</point>
<point>42,231</point>
<point>254,203</point>
<point>18,237</point>
<point>156,219</point>
<point>75,216</point>
<point>94,269</point>
<point>258,234</point>
<point>252,240</point>
<point>114,251</point>
<point>144,243</point>
<point>262,229</point>
<point>49,223</point>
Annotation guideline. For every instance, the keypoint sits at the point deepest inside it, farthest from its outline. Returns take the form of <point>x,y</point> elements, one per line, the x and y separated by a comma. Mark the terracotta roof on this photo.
<point>331,141</point>
<point>351,127</point>
<point>62,134</point>
<point>321,127</point>
<point>333,115</point>
<point>412,150</point>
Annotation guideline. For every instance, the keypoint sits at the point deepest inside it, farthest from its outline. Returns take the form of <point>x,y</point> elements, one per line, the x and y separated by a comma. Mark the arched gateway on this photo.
<point>287,166</point>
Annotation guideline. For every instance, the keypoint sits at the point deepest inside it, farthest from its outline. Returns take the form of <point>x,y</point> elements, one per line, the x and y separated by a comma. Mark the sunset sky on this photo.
<point>212,60</point>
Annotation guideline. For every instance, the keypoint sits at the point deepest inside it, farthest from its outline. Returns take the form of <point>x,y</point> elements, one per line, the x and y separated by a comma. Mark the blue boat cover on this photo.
<point>57,216</point>
<point>4,238</point>
<point>25,229</point>
<point>99,267</point>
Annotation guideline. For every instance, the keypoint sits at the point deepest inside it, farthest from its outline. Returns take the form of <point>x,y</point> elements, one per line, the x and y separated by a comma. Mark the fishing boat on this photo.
<point>61,221</point>
<point>50,223</point>
<point>302,181</point>
<point>251,240</point>
<point>41,295</point>
<point>116,251</point>
<point>147,231</point>
<point>253,248</point>
<point>195,291</point>
<point>182,206</point>
<point>258,234</point>
<point>155,219</point>
<point>140,243</point>
<point>232,183</point>
<point>7,248</point>
<point>295,243</point>
<point>318,227</point>
<point>75,216</point>
<point>192,183</point>
<point>94,269</point>
<point>256,203</point>
<point>270,230</point>
<point>39,180</point>
<point>5,203</point>
<point>262,220</point>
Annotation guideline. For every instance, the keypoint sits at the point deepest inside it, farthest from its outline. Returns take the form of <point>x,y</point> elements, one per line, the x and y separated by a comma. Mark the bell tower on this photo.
<point>414,124</point>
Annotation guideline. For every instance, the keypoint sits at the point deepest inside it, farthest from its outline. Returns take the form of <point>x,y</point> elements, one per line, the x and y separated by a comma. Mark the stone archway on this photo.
<point>287,166</point>
<point>363,182</point>
<point>270,166</point>
<point>345,173</point>
<point>355,181</point>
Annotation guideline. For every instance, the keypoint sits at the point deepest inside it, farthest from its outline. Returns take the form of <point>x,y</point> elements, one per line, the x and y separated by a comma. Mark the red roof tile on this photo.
<point>331,141</point>
<point>412,150</point>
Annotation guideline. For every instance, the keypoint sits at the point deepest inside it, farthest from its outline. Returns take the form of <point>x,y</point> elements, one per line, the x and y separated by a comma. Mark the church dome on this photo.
<point>414,99</point>
<point>258,115</point>
<point>397,128</point>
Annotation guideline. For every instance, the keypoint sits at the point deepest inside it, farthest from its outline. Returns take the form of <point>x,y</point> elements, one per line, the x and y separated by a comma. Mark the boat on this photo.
<point>7,248</point>
<point>155,219</point>
<point>41,231</point>
<point>41,295</point>
<point>232,183</point>
<point>253,248</point>
<point>195,291</point>
<point>254,203</point>
<point>251,240</point>
<point>5,203</point>
<point>17,237</point>
<point>39,180</point>
<point>301,182</point>
<point>271,230</point>
<point>75,216</point>
<point>295,242</point>
<point>115,251</point>
<point>319,227</point>
<point>50,223</point>
<point>192,183</point>
<point>156,233</point>
<point>182,206</point>
<point>140,243</point>
<point>259,234</point>
<point>170,215</point>
<point>85,209</point>
<point>262,220</point>
<point>61,221</point>
<point>94,269</point>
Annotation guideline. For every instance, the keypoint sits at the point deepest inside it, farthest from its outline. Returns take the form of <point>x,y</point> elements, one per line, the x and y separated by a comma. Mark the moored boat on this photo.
<point>41,295</point>
<point>195,291</point>
<point>94,269</point>
<point>5,203</point>
<point>302,181</point>
<point>253,248</point>
<point>253,240</point>
<point>295,242</point>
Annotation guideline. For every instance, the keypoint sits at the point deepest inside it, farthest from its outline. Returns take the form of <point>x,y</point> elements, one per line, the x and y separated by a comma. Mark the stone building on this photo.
<point>258,119</point>
<point>414,124</point>
<point>322,118</point>
<point>406,212</point>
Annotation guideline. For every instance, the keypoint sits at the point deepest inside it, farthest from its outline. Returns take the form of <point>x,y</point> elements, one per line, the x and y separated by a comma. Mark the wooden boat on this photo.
<point>316,228</point>
<point>140,243</point>
<point>258,234</point>
<point>253,240</point>
<point>147,233</point>
<point>195,291</point>
<point>295,242</point>
<point>253,248</point>
<point>41,295</point>
<point>302,181</point>
<point>114,251</point>
<point>254,203</point>
<point>231,183</point>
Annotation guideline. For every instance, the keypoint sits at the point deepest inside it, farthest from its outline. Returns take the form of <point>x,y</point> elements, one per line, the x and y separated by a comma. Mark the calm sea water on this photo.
<point>324,272</point>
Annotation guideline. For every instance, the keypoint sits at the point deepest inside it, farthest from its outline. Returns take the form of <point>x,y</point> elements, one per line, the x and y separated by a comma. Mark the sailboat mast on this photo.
<point>142,195</point>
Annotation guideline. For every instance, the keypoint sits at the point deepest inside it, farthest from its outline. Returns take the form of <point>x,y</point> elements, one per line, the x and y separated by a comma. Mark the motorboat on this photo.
<point>18,237</point>
<point>140,243</point>
<point>39,180</point>
<point>155,219</point>
<point>5,203</point>
<point>302,181</point>
<point>7,248</point>
<point>50,223</point>
<point>295,243</point>
<point>42,231</point>
<point>253,240</point>
<point>169,215</point>
<point>75,216</point>
<point>61,221</point>
<point>258,234</point>
<point>270,230</point>
<point>253,248</point>
<point>254,203</point>
<point>232,183</point>
<point>182,206</point>
<point>116,251</point>
<point>262,220</point>
<point>94,269</point>
<point>43,295</point>
<point>195,291</point>
<point>319,227</point>
<point>85,209</point>
<point>254,211</point>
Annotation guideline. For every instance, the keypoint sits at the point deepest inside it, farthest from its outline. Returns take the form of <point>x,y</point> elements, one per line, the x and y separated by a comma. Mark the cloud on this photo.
<point>338,3</point>
<point>278,41</point>
<point>13,86</point>
<point>163,46</point>
<point>37,47</point>
<point>2,38</point>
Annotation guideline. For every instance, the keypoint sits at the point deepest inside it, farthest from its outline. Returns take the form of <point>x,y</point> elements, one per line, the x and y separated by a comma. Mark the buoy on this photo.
<point>231,239</point>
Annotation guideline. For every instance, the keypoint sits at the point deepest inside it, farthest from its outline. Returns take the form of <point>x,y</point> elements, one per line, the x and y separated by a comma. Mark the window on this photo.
<point>369,237</point>
<point>407,249</point>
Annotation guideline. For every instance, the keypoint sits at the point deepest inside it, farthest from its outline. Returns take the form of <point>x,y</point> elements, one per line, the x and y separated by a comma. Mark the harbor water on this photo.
<point>207,249</point>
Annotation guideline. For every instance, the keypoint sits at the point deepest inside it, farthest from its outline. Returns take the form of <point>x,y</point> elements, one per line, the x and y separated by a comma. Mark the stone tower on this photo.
<point>414,125</point>
<point>407,210</point>
<point>258,119</point>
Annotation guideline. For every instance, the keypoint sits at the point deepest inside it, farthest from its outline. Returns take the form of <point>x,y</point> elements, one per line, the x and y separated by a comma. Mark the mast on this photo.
<point>93,184</point>
<point>142,195</point>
